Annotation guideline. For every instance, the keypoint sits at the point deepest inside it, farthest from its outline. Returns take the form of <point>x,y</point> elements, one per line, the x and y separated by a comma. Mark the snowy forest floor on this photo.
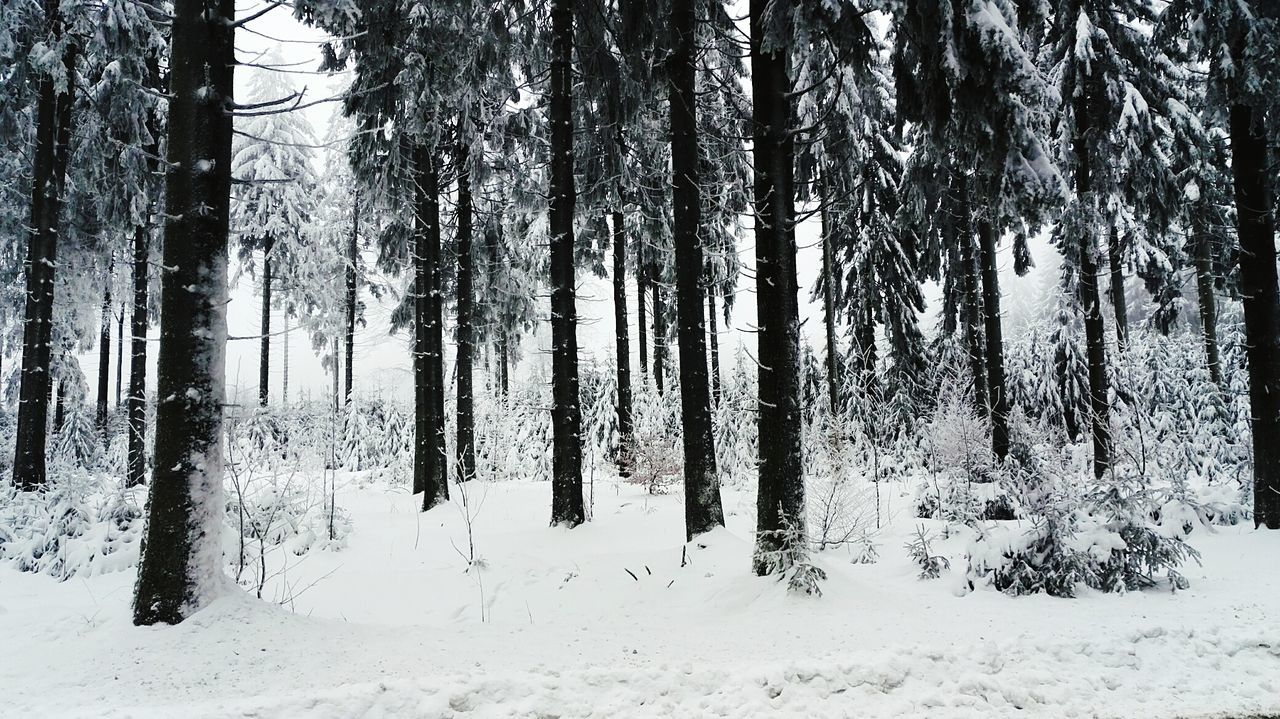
<point>604,621</point>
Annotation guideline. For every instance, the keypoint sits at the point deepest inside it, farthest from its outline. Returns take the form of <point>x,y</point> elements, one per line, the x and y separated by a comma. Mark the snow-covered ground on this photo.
<point>604,621</point>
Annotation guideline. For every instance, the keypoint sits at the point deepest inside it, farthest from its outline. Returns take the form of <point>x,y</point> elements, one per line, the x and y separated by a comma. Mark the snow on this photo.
<point>392,626</point>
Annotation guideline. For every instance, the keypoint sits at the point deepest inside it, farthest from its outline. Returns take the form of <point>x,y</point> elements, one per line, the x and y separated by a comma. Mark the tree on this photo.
<point>180,567</point>
<point>566,415</point>
<point>702,488</point>
<point>466,451</point>
<point>55,92</point>
<point>780,499</point>
<point>970,83</point>
<point>1116,86</point>
<point>274,198</point>
<point>1242,43</point>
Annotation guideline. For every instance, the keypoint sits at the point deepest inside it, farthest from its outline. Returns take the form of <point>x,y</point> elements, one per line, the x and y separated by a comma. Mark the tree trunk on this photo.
<point>702,508</point>
<point>642,296</point>
<point>1205,281</point>
<point>566,414</point>
<point>714,333</point>
<point>1256,227</point>
<point>429,476</point>
<point>181,565</point>
<point>971,286</point>
<point>119,355</point>
<point>138,360</point>
<point>104,361</point>
<point>284,361</point>
<point>995,340</point>
<point>780,506</point>
<point>49,170</point>
<point>264,352</point>
<point>1118,303</point>
<point>829,312</point>
<point>60,410</point>
<point>353,262</point>
<point>466,344</point>
<point>504,359</point>
<point>659,333</point>
<point>435,336</point>
<point>623,343</point>
<point>1094,330</point>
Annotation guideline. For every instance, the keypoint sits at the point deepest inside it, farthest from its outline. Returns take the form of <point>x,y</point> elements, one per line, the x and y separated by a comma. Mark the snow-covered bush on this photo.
<point>1108,535</point>
<point>931,565</point>
<point>80,524</point>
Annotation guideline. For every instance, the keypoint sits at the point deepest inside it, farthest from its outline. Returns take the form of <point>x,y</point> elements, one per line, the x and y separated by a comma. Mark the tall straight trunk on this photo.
<point>780,506</point>
<point>466,344</point>
<point>1208,299</point>
<point>829,312</point>
<point>119,355</point>
<point>181,565</point>
<point>642,296</point>
<point>49,172</point>
<point>622,341</point>
<point>353,261</point>
<point>504,358</point>
<point>995,340</point>
<point>1256,227</point>
<point>337,372</point>
<point>1118,303</point>
<point>713,332</point>
<point>566,414</point>
<point>138,359</point>
<point>104,361</point>
<point>264,347</point>
<point>972,325</point>
<point>1094,330</point>
<point>435,336</point>
<point>284,361</point>
<point>659,333</point>
<point>702,508</point>
<point>60,409</point>
<point>428,473</point>
<point>972,306</point>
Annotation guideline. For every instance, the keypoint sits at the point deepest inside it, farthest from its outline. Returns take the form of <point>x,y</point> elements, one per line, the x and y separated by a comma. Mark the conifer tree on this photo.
<point>180,567</point>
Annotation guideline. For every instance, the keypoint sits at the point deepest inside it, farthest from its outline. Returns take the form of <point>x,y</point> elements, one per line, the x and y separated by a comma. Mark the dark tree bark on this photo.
<point>1118,303</point>
<point>60,409</point>
<point>49,171</point>
<point>566,414</point>
<point>466,344</point>
<point>966,278</point>
<point>1094,330</point>
<point>138,360</point>
<point>973,323</point>
<point>353,262</point>
<point>181,561</point>
<point>702,508</point>
<point>1256,227</point>
<point>1205,281</point>
<point>995,340</point>
<point>642,296</point>
<point>264,351</point>
<point>623,343</point>
<point>119,355</point>
<point>659,332</point>
<point>104,362</point>
<point>780,503</point>
<point>829,312</point>
<point>429,471</point>
<point>713,332</point>
<point>504,360</point>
